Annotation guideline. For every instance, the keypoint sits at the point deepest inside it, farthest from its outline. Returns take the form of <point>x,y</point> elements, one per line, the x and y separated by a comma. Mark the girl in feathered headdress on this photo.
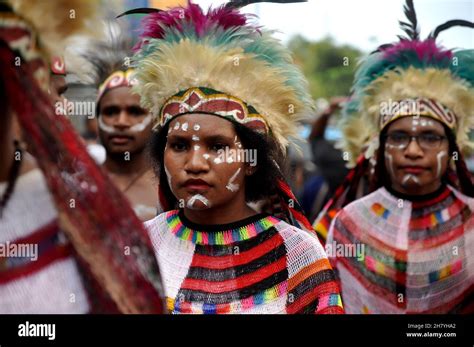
<point>227,97</point>
<point>409,119</point>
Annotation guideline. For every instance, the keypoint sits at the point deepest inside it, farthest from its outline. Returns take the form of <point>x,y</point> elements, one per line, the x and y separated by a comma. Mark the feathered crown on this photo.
<point>110,58</point>
<point>218,62</point>
<point>412,74</point>
<point>42,29</point>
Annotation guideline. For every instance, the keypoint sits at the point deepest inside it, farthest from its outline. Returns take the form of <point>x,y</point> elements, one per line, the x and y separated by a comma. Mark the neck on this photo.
<point>421,193</point>
<point>116,164</point>
<point>6,146</point>
<point>228,213</point>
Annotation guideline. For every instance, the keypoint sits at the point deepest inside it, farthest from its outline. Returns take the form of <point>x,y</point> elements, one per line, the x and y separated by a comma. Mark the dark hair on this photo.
<point>262,184</point>
<point>459,178</point>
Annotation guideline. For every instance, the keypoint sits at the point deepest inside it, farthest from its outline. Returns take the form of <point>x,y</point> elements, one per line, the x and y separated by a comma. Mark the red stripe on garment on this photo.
<point>441,197</point>
<point>228,261</point>
<point>313,294</point>
<point>44,260</point>
<point>354,229</point>
<point>374,288</point>
<point>45,232</point>
<point>235,283</point>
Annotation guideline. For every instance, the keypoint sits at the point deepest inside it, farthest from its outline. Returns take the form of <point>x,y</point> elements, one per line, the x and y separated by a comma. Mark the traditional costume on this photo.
<point>393,252</point>
<point>219,64</point>
<point>69,242</point>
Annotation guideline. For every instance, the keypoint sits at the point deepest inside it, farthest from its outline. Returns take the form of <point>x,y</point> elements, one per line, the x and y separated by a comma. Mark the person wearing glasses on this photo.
<point>408,246</point>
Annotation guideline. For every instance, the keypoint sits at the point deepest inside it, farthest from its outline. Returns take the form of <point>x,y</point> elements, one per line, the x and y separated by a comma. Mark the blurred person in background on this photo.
<point>124,126</point>
<point>64,228</point>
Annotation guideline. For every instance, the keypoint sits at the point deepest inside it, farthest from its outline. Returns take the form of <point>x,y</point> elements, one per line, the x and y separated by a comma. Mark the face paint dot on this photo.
<point>184,127</point>
<point>176,126</point>
<point>195,138</point>
<point>196,147</point>
<point>196,127</point>
<point>217,160</point>
<point>206,156</point>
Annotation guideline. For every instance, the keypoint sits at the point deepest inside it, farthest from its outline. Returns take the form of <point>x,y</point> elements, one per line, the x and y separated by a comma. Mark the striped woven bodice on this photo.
<point>412,256</point>
<point>257,265</point>
<point>38,271</point>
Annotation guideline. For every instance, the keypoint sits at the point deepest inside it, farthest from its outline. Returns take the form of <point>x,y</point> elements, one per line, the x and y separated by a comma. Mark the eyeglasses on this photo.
<point>425,141</point>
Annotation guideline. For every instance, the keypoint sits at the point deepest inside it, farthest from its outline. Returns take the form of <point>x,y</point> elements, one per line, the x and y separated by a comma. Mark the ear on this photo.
<point>249,169</point>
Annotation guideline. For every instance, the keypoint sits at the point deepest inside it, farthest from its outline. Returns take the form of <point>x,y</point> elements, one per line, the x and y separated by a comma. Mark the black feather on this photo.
<point>242,3</point>
<point>143,10</point>
<point>382,47</point>
<point>108,54</point>
<point>410,27</point>
<point>449,24</point>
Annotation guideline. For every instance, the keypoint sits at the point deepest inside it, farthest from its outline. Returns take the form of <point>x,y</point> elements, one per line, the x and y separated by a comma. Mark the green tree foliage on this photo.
<point>328,67</point>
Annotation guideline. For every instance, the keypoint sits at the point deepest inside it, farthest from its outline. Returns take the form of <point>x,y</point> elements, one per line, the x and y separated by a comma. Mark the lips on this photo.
<point>413,169</point>
<point>120,139</point>
<point>196,185</point>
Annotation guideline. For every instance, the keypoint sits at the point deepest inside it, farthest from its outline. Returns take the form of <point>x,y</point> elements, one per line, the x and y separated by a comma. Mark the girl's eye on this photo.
<point>218,147</point>
<point>178,146</point>
<point>109,111</point>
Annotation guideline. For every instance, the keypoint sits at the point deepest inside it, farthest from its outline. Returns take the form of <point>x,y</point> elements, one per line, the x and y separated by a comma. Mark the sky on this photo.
<point>364,24</point>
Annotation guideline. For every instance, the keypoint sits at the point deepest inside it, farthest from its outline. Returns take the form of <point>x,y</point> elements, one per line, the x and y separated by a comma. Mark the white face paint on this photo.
<point>137,128</point>
<point>206,156</point>
<point>196,147</point>
<point>237,143</point>
<point>414,124</point>
<point>410,177</point>
<point>390,163</point>
<point>196,127</point>
<point>195,138</point>
<point>168,176</point>
<point>233,187</point>
<point>389,146</point>
<point>104,127</point>
<point>176,126</point>
<point>198,197</point>
<point>217,161</point>
<point>439,156</point>
<point>185,126</point>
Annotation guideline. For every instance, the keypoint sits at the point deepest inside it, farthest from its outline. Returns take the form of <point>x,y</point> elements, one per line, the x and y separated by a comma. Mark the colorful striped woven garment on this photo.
<point>257,265</point>
<point>412,256</point>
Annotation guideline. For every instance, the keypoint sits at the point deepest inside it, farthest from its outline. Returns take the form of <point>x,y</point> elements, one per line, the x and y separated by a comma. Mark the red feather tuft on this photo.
<point>154,23</point>
<point>426,50</point>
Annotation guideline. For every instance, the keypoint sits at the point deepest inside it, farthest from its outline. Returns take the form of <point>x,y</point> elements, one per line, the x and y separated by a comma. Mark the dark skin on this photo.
<point>6,145</point>
<point>126,161</point>
<point>9,130</point>
<point>415,170</point>
<point>58,87</point>
<point>183,161</point>
<point>121,109</point>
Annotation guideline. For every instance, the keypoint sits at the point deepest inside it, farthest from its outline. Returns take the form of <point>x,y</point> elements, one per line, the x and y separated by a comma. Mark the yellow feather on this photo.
<point>231,71</point>
<point>56,20</point>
